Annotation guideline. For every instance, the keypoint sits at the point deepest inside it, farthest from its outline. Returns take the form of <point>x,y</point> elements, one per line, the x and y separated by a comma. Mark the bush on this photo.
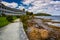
<point>14,17</point>
<point>18,16</point>
<point>24,19</point>
<point>9,18</point>
<point>3,21</point>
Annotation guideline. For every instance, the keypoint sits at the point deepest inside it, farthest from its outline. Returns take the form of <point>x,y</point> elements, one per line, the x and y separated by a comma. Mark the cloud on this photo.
<point>27,2</point>
<point>48,6</point>
<point>11,5</point>
<point>21,7</point>
<point>55,2</point>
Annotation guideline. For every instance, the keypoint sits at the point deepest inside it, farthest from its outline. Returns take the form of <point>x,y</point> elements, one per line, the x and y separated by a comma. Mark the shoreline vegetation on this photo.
<point>36,32</point>
<point>5,20</point>
<point>42,14</point>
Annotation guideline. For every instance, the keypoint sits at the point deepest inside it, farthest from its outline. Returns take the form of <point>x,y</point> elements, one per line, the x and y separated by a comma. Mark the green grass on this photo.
<point>3,21</point>
<point>14,17</point>
<point>6,20</point>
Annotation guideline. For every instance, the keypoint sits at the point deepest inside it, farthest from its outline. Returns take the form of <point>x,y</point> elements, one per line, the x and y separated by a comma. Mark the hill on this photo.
<point>42,14</point>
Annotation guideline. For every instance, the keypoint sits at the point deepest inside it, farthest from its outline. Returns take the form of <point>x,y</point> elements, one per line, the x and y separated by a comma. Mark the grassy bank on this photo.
<point>6,20</point>
<point>3,21</point>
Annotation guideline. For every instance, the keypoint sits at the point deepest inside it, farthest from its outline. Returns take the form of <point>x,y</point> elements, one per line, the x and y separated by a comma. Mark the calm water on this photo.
<point>54,18</point>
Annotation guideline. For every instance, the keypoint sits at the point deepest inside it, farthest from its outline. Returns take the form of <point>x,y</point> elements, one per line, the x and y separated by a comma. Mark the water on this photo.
<point>54,18</point>
<point>55,24</point>
<point>57,18</point>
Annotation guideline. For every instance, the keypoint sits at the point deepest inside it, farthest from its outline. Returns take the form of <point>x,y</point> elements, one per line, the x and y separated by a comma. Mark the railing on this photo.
<point>9,12</point>
<point>16,14</point>
<point>5,10</point>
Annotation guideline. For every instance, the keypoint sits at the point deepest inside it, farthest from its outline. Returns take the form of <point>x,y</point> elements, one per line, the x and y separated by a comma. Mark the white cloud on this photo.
<point>48,6</point>
<point>21,7</point>
<point>12,5</point>
<point>27,2</point>
<point>55,2</point>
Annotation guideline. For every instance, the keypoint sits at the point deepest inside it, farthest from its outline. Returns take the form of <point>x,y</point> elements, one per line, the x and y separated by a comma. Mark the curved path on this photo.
<point>13,31</point>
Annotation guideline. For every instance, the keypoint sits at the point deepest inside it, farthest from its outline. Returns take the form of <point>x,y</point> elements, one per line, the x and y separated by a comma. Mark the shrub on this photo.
<point>14,17</point>
<point>24,19</point>
<point>9,18</point>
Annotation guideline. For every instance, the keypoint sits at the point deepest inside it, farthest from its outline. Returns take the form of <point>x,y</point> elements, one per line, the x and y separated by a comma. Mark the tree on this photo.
<point>42,14</point>
<point>29,13</point>
<point>23,9</point>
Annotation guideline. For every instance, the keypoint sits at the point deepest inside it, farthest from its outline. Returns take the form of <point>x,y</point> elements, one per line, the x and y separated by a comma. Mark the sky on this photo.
<point>36,6</point>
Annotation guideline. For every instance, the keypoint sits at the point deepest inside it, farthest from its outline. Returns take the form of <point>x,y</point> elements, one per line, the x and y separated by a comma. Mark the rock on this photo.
<point>44,33</point>
<point>37,34</point>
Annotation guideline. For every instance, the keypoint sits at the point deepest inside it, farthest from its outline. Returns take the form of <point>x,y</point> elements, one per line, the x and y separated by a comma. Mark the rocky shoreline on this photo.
<point>37,32</point>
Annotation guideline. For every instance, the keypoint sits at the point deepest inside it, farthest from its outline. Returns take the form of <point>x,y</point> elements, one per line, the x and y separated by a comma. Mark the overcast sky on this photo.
<point>36,6</point>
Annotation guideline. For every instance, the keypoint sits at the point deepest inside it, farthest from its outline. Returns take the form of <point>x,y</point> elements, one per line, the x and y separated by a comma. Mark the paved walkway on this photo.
<point>13,31</point>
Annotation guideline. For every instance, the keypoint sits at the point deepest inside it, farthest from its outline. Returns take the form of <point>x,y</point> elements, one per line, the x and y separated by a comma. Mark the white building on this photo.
<point>10,11</point>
